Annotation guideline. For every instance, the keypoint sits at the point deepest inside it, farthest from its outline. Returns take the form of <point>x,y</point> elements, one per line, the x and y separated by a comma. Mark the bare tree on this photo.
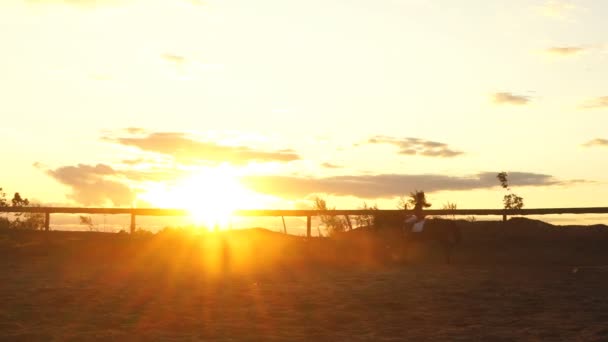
<point>451,206</point>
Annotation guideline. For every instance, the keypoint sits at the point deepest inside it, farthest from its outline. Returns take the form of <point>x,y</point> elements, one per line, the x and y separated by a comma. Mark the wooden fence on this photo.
<point>134,212</point>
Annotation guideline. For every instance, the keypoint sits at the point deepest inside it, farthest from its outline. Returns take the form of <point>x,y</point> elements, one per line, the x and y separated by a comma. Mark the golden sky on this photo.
<point>133,102</point>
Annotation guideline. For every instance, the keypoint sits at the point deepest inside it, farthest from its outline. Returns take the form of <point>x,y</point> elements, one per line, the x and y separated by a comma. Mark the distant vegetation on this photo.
<point>333,224</point>
<point>366,220</point>
<point>30,221</point>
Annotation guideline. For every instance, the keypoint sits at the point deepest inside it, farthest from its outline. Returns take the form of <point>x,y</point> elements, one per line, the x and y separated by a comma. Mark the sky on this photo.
<point>270,103</point>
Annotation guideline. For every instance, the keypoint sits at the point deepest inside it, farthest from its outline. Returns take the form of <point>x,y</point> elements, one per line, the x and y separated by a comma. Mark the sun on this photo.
<point>210,195</point>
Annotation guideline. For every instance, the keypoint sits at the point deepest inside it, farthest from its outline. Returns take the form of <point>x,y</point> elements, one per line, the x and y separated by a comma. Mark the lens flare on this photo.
<point>210,195</point>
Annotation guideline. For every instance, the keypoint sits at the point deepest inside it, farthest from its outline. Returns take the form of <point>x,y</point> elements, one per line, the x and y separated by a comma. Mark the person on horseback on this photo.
<point>416,221</point>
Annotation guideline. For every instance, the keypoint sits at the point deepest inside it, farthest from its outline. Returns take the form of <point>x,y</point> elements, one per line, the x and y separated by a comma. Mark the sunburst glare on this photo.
<point>211,196</point>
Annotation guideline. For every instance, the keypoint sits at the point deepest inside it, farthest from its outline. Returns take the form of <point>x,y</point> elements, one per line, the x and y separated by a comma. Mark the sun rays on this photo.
<point>211,196</point>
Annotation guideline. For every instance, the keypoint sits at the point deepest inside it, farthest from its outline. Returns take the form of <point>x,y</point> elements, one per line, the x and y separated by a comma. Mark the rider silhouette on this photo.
<point>419,200</point>
<point>418,211</point>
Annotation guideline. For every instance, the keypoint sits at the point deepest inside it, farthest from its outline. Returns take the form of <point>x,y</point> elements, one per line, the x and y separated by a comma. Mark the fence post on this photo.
<point>504,217</point>
<point>308,225</point>
<point>132,223</point>
<point>284,226</point>
<point>47,221</point>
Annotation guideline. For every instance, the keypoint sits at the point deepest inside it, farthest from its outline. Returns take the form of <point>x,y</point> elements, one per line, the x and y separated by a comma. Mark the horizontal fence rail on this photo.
<point>279,212</point>
<point>47,211</point>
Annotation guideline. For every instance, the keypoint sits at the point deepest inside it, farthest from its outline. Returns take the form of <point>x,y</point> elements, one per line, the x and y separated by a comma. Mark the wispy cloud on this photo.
<point>510,98</point>
<point>135,130</point>
<point>331,166</point>
<point>598,102</point>
<point>388,185</point>
<point>187,149</point>
<point>415,146</point>
<point>596,142</point>
<point>566,50</point>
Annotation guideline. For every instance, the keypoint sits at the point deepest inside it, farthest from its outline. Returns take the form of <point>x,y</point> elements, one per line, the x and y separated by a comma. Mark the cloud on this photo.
<point>596,142</point>
<point>415,146</point>
<point>510,98</point>
<point>565,50</point>
<point>388,185</point>
<point>184,148</point>
<point>102,184</point>
<point>331,166</point>
<point>91,184</point>
<point>599,102</point>
<point>135,130</point>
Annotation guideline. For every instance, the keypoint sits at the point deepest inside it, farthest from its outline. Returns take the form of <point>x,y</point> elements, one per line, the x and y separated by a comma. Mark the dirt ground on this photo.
<point>504,286</point>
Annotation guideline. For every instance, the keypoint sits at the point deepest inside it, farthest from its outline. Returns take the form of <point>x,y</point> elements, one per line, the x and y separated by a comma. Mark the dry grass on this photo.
<point>259,286</point>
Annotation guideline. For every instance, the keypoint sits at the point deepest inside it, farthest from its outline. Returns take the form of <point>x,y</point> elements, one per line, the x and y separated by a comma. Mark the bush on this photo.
<point>30,221</point>
<point>334,224</point>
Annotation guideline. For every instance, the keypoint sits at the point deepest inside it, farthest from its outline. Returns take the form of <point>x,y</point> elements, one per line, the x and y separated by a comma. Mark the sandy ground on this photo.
<point>111,288</point>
